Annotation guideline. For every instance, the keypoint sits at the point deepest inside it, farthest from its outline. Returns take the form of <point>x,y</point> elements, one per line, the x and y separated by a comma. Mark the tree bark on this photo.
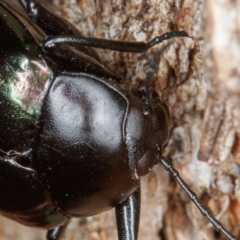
<point>198,78</point>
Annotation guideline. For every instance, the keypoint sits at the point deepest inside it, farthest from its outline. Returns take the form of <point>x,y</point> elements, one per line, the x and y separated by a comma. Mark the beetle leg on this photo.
<point>58,232</point>
<point>53,24</point>
<point>120,46</point>
<point>127,216</point>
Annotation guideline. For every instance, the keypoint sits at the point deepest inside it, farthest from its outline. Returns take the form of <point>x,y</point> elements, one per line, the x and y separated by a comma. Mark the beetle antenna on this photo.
<point>151,71</point>
<point>193,197</point>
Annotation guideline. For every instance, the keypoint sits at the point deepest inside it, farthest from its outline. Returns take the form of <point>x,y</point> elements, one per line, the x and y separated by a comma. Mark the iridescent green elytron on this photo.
<point>24,79</point>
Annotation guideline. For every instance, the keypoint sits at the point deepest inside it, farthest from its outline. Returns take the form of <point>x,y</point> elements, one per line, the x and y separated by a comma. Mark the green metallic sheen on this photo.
<point>24,80</point>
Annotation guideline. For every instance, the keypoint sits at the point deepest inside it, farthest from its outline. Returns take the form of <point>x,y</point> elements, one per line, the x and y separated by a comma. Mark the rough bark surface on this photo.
<point>199,80</point>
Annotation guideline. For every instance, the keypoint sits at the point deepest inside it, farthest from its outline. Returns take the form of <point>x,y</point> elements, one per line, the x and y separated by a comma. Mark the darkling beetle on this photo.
<point>75,139</point>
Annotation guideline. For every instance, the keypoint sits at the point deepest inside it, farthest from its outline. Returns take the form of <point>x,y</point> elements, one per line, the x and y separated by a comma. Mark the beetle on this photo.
<point>75,139</point>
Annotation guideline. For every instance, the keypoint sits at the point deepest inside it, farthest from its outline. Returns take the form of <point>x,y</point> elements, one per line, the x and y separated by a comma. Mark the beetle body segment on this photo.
<point>86,145</point>
<point>78,133</point>
<point>82,153</point>
<point>25,199</point>
<point>24,79</point>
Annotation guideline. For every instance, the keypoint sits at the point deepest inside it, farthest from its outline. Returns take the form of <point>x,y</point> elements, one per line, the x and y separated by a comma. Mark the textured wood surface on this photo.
<point>199,80</point>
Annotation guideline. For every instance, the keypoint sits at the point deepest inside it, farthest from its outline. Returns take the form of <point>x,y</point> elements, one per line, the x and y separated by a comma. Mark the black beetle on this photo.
<point>75,139</point>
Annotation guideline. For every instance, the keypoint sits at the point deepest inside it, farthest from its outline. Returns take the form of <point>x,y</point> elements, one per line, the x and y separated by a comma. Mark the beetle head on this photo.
<point>153,122</point>
<point>147,130</point>
<point>159,117</point>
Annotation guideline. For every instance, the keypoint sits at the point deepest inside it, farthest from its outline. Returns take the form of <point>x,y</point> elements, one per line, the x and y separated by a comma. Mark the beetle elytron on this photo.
<point>74,139</point>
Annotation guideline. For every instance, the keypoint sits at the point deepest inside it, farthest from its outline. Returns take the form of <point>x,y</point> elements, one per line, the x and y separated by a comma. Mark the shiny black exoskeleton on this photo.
<point>74,140</point>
